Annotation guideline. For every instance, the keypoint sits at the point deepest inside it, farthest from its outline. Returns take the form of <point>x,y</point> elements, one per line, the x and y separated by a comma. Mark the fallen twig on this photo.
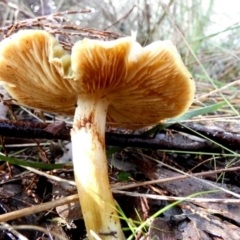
<point>59,130</point>
<point>38,208</point>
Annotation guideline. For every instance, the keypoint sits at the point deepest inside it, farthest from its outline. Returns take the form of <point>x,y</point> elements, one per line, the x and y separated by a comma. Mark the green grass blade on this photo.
<point>188,115</point>
<point>197,112</point>
<point>234,27</point>
<point>43,166</point>
<point>155,215</point>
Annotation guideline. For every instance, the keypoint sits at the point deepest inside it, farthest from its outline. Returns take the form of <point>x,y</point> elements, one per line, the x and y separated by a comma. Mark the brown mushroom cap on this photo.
<point>33,68</point>
<point>144,85</point>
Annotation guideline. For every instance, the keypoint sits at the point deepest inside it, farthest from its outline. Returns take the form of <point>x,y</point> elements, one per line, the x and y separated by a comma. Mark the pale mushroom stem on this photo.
<point>91,168</point>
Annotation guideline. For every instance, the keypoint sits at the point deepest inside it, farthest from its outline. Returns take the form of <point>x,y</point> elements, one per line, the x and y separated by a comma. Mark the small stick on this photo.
<point>38,208</point>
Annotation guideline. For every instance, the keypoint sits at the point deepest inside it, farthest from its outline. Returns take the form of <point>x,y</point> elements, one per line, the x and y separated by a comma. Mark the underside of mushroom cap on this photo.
<point>143,85</point>
<point>34,70</point>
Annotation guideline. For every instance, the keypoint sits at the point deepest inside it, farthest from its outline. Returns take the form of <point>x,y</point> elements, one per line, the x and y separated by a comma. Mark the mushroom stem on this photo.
<point>91,168</point>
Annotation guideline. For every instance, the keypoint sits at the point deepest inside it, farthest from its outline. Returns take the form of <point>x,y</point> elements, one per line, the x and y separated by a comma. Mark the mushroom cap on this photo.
<point>143,85</point>
<point>34,69</point>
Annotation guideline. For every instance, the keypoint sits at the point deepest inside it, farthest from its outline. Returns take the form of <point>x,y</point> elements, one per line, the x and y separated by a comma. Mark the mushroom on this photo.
<point>119,81</point>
